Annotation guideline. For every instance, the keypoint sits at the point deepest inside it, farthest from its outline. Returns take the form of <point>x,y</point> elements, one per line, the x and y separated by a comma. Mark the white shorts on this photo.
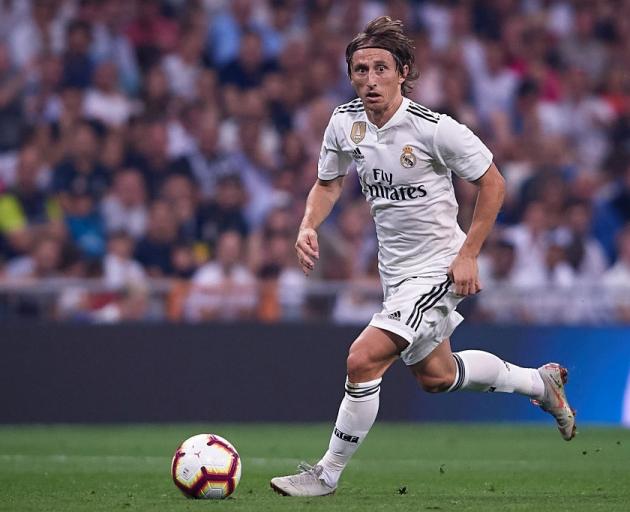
<point>420,311</point>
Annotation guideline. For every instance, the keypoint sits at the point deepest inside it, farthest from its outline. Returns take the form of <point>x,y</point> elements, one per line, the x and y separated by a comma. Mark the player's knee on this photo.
<point>358,364</point>
<point>436,383</point>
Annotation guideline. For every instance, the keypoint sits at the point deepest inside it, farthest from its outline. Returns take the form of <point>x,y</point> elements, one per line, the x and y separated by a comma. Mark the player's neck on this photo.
<point>380,117</point>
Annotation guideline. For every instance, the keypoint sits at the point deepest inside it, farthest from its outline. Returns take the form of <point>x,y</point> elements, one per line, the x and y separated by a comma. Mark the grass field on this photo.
<point>400,467</point>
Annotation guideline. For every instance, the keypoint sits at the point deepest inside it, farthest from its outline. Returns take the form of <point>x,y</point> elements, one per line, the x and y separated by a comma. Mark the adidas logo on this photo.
<point>357,156</point>
<point>394,316</point>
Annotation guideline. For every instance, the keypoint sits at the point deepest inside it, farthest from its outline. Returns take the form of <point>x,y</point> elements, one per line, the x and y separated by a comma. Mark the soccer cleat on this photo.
<point>555,401</point>
<point>307,482</point>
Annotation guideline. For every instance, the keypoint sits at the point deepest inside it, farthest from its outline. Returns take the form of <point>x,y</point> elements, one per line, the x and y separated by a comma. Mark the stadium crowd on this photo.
<point>174,142</point>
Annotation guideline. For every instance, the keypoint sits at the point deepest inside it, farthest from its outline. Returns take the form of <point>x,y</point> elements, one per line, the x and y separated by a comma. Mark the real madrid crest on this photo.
<point>357,133</point>
<point>407,159</point>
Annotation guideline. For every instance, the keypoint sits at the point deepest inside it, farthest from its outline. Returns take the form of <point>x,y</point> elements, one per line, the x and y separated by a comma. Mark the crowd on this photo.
<point>174,141</point>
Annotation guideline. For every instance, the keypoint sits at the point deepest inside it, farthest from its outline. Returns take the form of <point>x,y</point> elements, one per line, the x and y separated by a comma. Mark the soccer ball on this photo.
<point>206,466</point>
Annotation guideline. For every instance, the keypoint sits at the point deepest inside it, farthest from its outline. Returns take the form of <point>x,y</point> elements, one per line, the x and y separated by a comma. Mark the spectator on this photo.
<point>105,102</point>
<point>154,249</point>
<point>358,302</point>
<point>81,170</point>
<point>280,222</point>
<point>584,253</point>
<point>348,246</point>
<point>179,192</point>
<point>64,123</point>
<point>281,26</point>
<point>77,63</point>
<point>43,94</point>
<point>497,264</point>
<point>530,239</point>
<point>223,289</point>
<point>110,43</point>
<point>151,33</point>
<point>26,211</point>
<point>120,270</point>
<point>224,213</point>
<point>494,85</point>
<point>43,261</point>
<point>251,132</point>
<point>285,277</point>
<point>156,97</point>
<point>208,162</point>
<point>11,14</point>
<point>586,117</point>
<point>618,276</point>
<point>113,150</point>
<point>125,207</point>
<point>268,308</point>
<point>183,67</point>
<point>250,68</point>
<point>84,222</point>
<point>36,33</point>
<point>225,30</point>
<point>11,107</point>
<point>184,261</point>
<point>558,271</point>
<point>583,49</point>
<point>153,158</point>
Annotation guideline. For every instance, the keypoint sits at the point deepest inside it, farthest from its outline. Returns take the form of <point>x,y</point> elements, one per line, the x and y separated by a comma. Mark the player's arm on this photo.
<point>463,270</point>
<point>319,204</point>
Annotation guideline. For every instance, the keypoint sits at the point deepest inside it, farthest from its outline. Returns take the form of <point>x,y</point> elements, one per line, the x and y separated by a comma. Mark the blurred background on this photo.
<point>155,157</point>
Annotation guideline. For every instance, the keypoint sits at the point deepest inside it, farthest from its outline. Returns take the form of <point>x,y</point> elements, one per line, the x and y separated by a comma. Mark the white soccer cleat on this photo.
<point>305,483</point>
<point>555,401</point>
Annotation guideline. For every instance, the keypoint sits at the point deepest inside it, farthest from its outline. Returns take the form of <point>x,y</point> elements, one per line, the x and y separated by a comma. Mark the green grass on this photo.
<point>442,467</point>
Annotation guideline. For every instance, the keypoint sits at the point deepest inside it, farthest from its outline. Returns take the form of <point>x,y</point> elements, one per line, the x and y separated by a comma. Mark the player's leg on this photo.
<point>370,355</point>
<point>476,370</point>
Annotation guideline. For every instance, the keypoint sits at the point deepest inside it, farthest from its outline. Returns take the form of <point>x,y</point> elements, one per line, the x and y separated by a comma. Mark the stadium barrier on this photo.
<point>90,300</point>
<point>287,372</point>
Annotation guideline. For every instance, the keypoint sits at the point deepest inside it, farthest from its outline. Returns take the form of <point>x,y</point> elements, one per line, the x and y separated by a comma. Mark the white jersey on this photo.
<point>405,173</point>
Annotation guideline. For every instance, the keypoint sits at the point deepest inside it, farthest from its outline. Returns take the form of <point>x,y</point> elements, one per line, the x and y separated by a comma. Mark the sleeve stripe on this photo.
<point>422,116</point>
<point>423,109</point>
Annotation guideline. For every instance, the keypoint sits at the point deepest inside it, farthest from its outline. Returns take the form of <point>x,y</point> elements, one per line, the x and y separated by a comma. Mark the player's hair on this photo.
<point>387,34</point>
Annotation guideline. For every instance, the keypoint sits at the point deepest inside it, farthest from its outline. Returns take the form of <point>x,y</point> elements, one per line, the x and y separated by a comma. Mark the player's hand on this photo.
<point>465,274</point>
<point>307,249</point>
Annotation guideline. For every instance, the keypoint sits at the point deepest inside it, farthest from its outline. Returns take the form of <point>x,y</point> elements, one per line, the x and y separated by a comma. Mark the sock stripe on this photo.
<point>359,389</point>
<point>461,373</point>
<point>364,393</point>
<point>362,390</point>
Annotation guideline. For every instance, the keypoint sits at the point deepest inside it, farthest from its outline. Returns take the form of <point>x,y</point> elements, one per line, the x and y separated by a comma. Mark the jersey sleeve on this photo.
<point>460,150</point>
<point>333,162</point>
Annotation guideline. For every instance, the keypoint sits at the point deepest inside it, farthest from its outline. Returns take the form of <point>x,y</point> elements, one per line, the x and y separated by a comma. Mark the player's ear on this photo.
<point>403,75</point>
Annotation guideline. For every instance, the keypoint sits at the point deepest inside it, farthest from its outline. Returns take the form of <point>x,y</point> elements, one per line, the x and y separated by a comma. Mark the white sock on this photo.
<point>356,416</point>
<point>482,371</point>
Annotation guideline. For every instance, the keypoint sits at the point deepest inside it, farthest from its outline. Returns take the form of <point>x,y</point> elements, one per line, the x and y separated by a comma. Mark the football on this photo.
<point>206,466</point>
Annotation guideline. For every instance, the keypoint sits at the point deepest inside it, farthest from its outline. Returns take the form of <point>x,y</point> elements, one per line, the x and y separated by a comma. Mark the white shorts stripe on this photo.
<point>429,310</point>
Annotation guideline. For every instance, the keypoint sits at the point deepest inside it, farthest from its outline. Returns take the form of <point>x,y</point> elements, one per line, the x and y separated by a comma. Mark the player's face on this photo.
<point>375,78</point>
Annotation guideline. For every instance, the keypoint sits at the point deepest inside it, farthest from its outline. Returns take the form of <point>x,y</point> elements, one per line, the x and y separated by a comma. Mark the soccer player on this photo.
<point>404,155</point>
